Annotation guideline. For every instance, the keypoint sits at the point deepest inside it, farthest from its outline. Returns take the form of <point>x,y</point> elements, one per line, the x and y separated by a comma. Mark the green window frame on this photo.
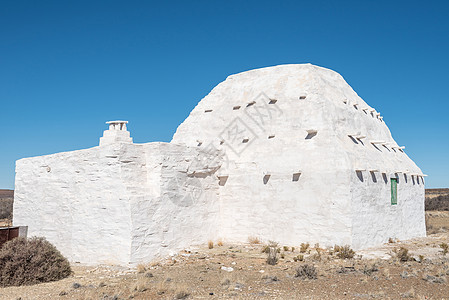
<point>394,191</point>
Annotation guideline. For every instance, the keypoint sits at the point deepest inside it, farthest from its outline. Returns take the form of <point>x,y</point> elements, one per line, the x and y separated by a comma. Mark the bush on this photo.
<point>344,252</point>
<point>402,254</point>
<point>306,272</point>
<point>30,261</point>
<point>303,248</point>
<point>437,203</point>
<point>271,244</point>
<point>6,205</point>
<point>445,248</point>
<point>272,257</point>
<point>254,240</point>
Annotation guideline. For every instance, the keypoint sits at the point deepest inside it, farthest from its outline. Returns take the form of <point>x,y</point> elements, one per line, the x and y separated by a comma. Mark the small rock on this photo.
<point>211,294</point>
<point>63,293</point>
<point>270,279</point>
<point>227,269</point>
<point>76,285</point>
<point>238,286</point>
<point>149,274</point>
<point>226,282</point>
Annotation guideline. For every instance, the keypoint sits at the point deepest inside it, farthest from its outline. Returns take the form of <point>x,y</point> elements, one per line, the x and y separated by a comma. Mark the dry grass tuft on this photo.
<point>220,243</point>
<point>344,252</point>
<point>445,248</point>
<point>254,240</point>
<point>306,272</point>
<point>402,254</point>
<point>141,285</point>
<point>210,244</point>
<point>181,292</point>
<point>141,268</point>
<point>303,247</point>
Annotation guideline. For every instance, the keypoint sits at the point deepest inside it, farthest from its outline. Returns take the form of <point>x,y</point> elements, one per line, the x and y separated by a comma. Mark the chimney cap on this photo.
<point>117,122</point>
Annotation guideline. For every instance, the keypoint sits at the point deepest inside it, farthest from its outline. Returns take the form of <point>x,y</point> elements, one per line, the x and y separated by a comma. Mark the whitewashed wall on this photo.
<point>272,153</point>
<point>275,107</point>
<point>117,203</point>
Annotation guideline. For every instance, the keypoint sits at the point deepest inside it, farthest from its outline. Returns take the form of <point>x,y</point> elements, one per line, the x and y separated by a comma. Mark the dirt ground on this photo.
<point>241,272</point>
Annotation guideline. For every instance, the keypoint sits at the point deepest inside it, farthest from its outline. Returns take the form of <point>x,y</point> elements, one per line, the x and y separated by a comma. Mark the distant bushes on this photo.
<point>6,208</point>
<point>30,261</point>
<point>438,203</point>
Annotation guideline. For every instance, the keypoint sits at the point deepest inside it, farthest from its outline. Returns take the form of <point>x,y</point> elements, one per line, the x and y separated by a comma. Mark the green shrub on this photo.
<point>30,261</point>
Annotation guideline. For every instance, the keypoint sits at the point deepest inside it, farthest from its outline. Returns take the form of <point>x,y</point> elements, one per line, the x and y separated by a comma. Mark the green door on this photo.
<point>394,191</point>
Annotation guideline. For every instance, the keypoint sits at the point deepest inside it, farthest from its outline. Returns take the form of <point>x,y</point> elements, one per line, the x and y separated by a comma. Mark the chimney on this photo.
<point>117,133</point>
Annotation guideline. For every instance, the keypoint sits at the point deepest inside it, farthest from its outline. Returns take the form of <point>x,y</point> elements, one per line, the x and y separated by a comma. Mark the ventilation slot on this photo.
<point>311,133</point>
<point>296,176</point>
<point>222,180</point>
<point>236,107</point>
<point>271,136</point>
<point>251,103</point>
<point>208,110</point>
<point>245,140</point>
<point>272,101</point>
<point>302,97</point>
<point>266,178</point>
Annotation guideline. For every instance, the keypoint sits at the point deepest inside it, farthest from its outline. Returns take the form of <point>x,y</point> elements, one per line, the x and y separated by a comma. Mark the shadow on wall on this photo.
<point>396,176</point>
<point>311,135</point>
<point>359,175</point>
<point>384,176</point>
<point>373,177</point>
<point>266,178</point>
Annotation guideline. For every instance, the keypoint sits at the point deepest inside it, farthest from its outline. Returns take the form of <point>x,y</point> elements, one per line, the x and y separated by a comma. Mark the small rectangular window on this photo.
<point>394,191</point>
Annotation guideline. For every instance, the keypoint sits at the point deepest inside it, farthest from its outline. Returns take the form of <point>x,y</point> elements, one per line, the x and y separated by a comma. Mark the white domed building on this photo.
<point>288,153</point>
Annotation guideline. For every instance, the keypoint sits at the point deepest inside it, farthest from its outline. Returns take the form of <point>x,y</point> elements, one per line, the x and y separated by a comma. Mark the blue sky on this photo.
<point>66,67</point>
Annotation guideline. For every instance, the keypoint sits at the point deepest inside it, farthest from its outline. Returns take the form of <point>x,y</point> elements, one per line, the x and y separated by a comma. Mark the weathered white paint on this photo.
<point>289,153</point>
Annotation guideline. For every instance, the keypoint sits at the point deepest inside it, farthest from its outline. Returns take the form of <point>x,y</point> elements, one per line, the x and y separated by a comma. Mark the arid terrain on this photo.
<point>228,271</point>
<point>6,203</point>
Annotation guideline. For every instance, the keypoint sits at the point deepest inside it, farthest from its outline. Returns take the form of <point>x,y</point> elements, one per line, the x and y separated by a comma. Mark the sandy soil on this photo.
<point>241,272</point>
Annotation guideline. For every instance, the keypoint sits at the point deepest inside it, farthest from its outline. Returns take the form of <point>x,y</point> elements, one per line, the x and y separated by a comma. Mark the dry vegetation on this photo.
<point>416,269</point>
<point>30,261</point>
<point>243,272</point>
<point>437,199</point>
<point>6,204</point>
